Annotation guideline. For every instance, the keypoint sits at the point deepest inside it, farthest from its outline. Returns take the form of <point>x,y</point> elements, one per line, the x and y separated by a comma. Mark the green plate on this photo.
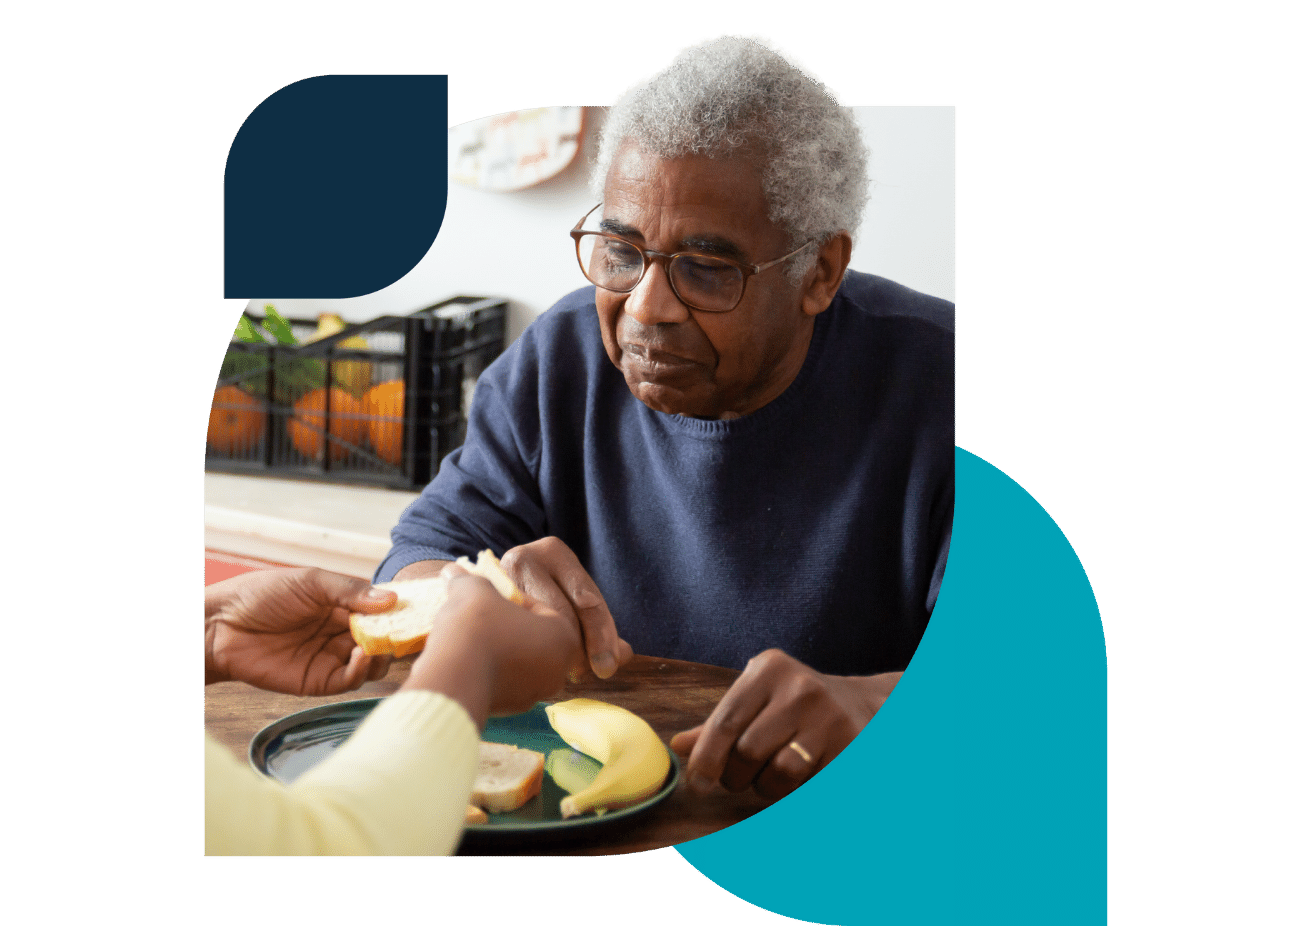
<point>287,748</point>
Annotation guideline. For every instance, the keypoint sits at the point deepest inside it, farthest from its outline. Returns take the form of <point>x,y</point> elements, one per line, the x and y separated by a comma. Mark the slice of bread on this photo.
<point>507,777</point>
<point>402,630</point>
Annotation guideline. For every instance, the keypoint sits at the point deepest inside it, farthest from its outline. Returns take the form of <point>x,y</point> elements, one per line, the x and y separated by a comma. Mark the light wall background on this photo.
<point>515,245</point>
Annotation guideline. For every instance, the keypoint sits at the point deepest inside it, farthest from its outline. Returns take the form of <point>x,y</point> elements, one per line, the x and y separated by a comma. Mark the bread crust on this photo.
<point>514,793</point>
<point>383,645</point>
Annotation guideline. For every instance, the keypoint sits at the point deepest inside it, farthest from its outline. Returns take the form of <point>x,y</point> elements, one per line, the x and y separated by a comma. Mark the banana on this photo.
<point>634,761</point>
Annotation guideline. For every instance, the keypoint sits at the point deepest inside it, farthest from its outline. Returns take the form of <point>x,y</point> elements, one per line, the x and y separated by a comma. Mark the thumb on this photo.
<point>685,741</point>
<point>372,600</point>
<point>332,589</point>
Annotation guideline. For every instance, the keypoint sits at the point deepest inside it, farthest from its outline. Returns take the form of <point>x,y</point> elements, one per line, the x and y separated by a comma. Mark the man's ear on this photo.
<point>823,279</point>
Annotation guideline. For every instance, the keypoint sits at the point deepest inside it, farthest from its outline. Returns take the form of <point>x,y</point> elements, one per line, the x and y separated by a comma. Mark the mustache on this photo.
<point>668,339</point>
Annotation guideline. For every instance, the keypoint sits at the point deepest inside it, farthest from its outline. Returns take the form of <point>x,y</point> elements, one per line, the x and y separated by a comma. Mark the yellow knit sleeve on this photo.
<point>398,786</point>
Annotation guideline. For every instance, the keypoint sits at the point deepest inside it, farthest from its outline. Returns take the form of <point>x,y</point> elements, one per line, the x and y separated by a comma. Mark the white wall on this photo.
<point>515,244</point>
<point>908,231</point>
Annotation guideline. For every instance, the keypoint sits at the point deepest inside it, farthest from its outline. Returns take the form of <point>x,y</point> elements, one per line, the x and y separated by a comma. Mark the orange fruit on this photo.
<point>383,404</point>
<point>305,427</point>
<point>237,421</point>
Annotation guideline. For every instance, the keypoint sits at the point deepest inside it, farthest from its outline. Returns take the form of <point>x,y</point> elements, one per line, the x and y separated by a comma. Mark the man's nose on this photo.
<point>653,302</point>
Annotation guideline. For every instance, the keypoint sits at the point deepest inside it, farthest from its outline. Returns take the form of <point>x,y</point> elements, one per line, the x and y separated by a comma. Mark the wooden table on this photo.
<point>669,694</point>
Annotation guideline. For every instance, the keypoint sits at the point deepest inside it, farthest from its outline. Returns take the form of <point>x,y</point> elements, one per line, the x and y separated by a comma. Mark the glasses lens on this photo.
<point>707,283</point>
<point>610,263</point>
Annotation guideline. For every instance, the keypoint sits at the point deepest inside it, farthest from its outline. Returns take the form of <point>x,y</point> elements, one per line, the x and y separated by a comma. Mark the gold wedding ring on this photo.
<point>806,756</point>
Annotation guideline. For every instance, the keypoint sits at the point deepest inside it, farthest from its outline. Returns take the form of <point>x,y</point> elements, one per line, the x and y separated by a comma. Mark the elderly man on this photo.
<point>730,449</point>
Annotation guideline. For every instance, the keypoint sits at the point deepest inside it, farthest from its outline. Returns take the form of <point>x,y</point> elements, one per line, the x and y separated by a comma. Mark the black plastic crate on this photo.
<point>386,413</point>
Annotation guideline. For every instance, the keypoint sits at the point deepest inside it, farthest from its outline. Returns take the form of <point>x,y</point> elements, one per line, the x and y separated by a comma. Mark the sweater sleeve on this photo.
<point>485,494</point>
<point>398,786</point>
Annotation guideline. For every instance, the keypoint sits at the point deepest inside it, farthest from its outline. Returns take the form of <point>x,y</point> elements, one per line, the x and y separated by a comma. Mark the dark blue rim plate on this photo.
<point>287,748</point>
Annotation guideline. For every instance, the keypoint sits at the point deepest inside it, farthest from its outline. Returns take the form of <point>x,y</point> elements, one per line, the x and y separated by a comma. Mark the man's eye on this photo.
<point>616,254</point>
<point>705,272</point>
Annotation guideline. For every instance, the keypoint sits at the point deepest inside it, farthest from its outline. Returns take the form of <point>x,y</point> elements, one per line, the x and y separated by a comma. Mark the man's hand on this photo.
<point>288,630</point>
<point>549,572</point>
<point>779,724</point>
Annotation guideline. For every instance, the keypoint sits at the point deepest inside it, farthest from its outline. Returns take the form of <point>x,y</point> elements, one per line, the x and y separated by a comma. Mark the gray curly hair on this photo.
<point>735,92</point>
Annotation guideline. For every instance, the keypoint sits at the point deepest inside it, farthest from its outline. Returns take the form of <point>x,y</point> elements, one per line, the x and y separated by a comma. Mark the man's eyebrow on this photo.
<point>704,244</point>
<point>622,229</point>
<point>713,244</point>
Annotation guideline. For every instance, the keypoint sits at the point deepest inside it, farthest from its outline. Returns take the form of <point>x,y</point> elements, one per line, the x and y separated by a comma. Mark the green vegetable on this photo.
<point>278,326</point>
<point>571,770</point>
<point>293,376</point>
<point>245,331</point>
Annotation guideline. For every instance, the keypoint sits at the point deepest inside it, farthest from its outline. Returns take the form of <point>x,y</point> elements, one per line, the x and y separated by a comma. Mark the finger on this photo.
<point>764,751</point>
<point>600,636</point>
<point>349,592</point>
<point>541,610</point>
<point>537,584</point>
<point>378,668</point>
<point>719,733</point>
<point>371,600</point>
<point>356,670</point>
<point>791,765</point>
<point>548,572</point>
<point>600,639</point>
<point>337,645</point>
<point>348,673</point>
<point>342,595</point>
<point>471,591</point>
<point>769,733</point>
<point>684,742</point>
<point>623,652</point>
<point>741,769</point>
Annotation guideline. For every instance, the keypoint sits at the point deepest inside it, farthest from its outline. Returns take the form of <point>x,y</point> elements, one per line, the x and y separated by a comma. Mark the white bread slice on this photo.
<point>403,629</point>
<point>506,777</point>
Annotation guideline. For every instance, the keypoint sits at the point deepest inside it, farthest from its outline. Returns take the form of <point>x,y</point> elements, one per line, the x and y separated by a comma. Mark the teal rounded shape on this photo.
<point>978,794</point>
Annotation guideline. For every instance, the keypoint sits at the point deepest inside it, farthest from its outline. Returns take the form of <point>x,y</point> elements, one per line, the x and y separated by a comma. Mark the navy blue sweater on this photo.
<point>819,524</point>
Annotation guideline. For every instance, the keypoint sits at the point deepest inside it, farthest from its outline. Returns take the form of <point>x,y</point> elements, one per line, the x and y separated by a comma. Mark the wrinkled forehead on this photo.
<point>691,202</point>
<point>638,173</point>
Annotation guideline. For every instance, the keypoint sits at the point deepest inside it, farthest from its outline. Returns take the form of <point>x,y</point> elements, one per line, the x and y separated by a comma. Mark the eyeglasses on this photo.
<point>701,281</point>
